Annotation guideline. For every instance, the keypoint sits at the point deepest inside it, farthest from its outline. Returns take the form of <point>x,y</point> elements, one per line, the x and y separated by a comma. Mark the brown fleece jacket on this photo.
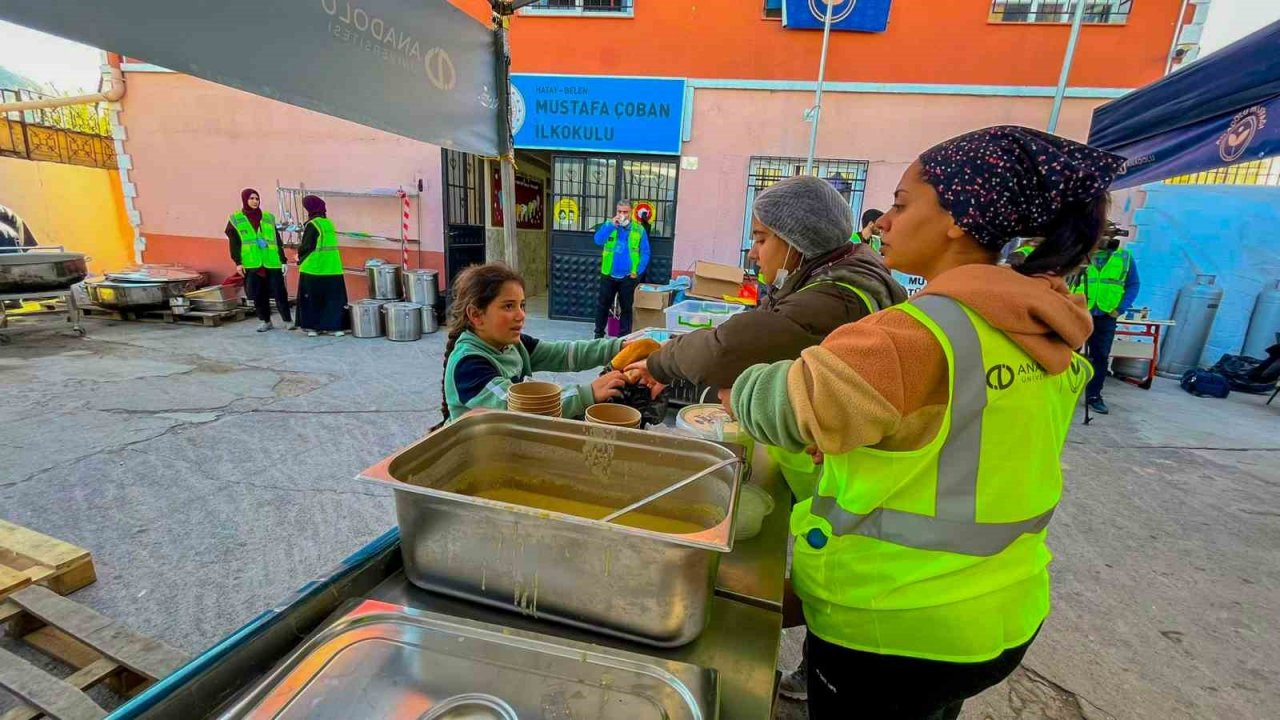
<point>812,303</point>
<point>883,382</point>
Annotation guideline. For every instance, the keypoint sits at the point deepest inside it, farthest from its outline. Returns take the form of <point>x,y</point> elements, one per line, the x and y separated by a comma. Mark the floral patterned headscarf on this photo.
<point>1008,181</point>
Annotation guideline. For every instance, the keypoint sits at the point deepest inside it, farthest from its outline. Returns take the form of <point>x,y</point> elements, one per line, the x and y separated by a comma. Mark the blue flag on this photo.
<point>856,15</point>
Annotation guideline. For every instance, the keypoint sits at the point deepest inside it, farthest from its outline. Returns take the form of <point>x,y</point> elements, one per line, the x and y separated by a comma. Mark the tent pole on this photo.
<point>503,9</point>
<point>1061,92</point>
<point>815,113</point>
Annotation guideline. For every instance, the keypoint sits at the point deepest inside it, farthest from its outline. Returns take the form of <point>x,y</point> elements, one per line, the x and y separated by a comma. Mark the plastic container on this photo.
<point>660,335</point>
<point>754,505</point>
<point>699,314</point>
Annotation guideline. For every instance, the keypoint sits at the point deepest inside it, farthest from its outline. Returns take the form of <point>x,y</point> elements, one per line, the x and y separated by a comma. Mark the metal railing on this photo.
<point>580,7</point>
<point>1096,12</point>
<point>73,134</point>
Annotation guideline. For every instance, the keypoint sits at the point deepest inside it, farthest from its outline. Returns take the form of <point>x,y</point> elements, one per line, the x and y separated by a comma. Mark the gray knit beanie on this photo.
<point>806,212</point>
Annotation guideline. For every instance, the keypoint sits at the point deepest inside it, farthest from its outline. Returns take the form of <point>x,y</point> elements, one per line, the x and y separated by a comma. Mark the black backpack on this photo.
<point>1203,383</point>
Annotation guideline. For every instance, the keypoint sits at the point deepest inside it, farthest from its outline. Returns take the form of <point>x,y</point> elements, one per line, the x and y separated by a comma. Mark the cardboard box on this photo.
<point>650,299</point>
<point>642,318</point>
<point>712,281</point>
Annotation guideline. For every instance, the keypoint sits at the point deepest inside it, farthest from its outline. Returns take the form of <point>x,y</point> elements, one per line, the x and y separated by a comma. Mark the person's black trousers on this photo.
<point>849,684</point>
<point>262,290</point>
<point>1104,334</point>
<point>625,290</point>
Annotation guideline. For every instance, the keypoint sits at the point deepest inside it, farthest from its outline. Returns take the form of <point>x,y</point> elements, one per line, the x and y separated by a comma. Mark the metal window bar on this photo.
<point>1097,12</point>
<point>653,181</point>
<point>1264,172</point>
<point>589,183</point>
<point>848,177</point>
<point>464,196</point>
<point>585,7</point>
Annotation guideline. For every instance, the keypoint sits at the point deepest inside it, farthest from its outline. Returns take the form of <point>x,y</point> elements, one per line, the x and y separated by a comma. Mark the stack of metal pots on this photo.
<point>385,314</point>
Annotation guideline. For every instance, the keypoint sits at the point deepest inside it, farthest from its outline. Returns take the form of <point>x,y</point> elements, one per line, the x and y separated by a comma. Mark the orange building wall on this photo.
<point>80,208</point>
<point>928,41</point>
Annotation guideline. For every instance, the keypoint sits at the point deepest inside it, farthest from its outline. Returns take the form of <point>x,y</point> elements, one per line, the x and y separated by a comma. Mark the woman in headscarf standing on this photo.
<point>322,291</point>
<point>259,256</point>
<point>920,562</point>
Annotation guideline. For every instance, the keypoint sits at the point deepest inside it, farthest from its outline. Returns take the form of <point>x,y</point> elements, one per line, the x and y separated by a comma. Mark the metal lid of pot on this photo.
<point>403,306</point>
<point>154,273</point>
<point>108,281</point>
<point>37,258</point>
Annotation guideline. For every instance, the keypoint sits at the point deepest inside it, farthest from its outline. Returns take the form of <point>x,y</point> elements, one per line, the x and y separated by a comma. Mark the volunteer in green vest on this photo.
<point>322,290</point>
<point>623,262</point>
<point>1110,285</point>
<point>921,563</point>
<point>817,280</point>
<point>259,256</point>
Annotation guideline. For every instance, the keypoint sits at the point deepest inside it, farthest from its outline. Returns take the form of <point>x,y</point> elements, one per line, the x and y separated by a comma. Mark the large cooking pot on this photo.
<point>366,318</point>
<point>404,321</point>
<point>37,271</point>
<point>384,279</point>
<point>421,287</point>
<point>114,294</point>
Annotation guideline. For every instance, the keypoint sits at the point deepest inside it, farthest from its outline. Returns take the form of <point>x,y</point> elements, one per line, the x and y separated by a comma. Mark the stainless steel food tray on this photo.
<point>390,662</point>
<point>641,585</point>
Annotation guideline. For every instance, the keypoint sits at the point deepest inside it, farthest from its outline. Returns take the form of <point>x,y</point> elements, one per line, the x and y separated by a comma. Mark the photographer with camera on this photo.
<point>1110,285</point>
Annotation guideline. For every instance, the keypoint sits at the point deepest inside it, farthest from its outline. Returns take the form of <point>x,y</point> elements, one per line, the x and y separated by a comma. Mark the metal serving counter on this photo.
<point>740,641</point>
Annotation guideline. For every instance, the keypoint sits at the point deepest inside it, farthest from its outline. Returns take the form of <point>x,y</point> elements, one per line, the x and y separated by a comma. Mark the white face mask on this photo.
<point>783,273</point>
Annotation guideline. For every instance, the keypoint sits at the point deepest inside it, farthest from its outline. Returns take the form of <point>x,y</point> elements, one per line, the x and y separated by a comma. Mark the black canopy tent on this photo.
<point>1219,111</point>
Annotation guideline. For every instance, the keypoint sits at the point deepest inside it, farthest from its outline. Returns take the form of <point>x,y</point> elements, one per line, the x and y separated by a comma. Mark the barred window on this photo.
<point>1096,12</point>
<point>848,177</point>
<point>1258,172</point>
<point>600,8</point>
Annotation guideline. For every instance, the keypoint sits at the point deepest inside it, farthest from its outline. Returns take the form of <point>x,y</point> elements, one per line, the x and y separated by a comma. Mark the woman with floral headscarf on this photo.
<point>322,290</point>
<point>920,563</point>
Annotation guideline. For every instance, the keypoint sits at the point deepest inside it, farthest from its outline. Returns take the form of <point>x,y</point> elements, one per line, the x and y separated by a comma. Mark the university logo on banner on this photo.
<point>855,15</point>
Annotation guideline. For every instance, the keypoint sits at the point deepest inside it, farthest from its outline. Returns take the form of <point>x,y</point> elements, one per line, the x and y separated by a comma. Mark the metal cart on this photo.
<point>70,310</point>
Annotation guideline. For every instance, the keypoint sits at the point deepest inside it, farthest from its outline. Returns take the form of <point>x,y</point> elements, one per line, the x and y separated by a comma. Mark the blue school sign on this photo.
<point>593,113</point>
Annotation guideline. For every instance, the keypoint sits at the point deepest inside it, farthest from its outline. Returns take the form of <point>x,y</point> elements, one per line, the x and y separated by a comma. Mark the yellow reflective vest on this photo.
<point>939,552</point>
<point>258,248</point>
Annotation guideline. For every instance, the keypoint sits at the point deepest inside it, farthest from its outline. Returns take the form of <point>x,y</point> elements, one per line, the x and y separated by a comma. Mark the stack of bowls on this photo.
<point>615,415</point>
<point>535,398</point>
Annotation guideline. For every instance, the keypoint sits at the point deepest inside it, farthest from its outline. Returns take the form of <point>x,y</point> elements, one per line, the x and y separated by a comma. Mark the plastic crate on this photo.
<point>662,335</point>
<point>699,314</point>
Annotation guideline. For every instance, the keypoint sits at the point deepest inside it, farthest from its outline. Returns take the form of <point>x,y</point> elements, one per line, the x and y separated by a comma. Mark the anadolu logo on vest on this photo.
<point>1075,380</point>
<point>1002,376</point>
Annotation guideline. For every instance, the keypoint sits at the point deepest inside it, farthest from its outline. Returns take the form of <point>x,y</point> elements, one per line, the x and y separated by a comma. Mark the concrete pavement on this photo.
<point>210,472</point>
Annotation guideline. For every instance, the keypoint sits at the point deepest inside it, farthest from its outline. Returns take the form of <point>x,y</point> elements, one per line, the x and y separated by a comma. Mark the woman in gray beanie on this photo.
<point>819,280</point>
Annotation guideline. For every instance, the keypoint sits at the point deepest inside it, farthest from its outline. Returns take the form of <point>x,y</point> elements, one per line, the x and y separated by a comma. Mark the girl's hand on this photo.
<point>815,453</point>
<point>608,386</point>
<point>638,373</point>
<point>726,399</point>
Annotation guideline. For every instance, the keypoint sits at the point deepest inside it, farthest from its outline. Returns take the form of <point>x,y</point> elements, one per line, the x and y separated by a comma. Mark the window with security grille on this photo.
<point>848,177</point>
<point>609,8</point>
<point>1259,172</point>
<point>1096,12</point>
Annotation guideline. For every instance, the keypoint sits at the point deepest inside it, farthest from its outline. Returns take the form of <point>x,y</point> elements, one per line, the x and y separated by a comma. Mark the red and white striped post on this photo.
<point>404,228</point>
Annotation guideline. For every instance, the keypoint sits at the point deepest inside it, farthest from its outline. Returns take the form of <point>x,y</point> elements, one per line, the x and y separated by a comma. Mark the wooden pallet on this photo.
<point>208,319</point>
<point>30,558</point>
<point>98,649</point>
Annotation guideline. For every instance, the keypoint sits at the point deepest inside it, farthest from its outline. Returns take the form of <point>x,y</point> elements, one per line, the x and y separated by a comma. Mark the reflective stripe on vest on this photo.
<point>953,528</point>
<point>873,307</point>
<point>326,258</point>
<point>634,237</point>
<point>1104,288</point>
<point>798,468</point>
<point>252,255</point>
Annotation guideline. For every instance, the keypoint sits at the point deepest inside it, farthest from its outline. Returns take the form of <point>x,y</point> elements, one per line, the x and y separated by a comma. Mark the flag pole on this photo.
<point>1061,91</point>
<point>815,113</point>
